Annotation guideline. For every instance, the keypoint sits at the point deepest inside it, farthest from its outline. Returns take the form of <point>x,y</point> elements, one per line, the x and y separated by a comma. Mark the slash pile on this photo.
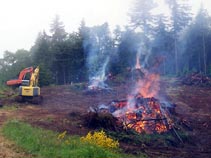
<point>148,114</point>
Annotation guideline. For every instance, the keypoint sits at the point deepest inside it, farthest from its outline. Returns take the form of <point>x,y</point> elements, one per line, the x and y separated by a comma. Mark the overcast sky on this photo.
<point>21,20</point>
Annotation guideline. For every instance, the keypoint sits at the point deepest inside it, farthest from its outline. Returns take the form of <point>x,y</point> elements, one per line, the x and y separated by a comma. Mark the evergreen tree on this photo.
<point>42,56</point>
<point>203,23</point>
<point>59,51</point>
<point>180,16</point>
<point>76,58</point>
<point>57,30</point>
<point>141,16</point>
<point>196,45</point>
<point>162,44</point>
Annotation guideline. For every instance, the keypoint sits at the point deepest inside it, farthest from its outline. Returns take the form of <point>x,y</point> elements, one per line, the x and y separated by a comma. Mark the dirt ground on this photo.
<point>64,106</point>
<point>9,150</point>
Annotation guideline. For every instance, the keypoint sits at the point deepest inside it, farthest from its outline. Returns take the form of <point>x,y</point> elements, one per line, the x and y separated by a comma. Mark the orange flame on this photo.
<point>146,122</point>
<point>145,115</point>
<point>148,86</point>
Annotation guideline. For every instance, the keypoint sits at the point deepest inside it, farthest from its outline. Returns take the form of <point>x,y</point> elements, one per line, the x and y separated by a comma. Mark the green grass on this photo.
<point>13,107</point>
<point>6,92</point>
<point>45,144</point>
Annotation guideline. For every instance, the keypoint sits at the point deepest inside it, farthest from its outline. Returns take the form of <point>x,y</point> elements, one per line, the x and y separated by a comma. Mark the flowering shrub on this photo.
<point>100,139</point>
<point>62,135</point>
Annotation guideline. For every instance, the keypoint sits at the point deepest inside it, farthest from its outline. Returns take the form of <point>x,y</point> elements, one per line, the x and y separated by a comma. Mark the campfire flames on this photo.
<point>141,111</point>
<point>148,86</point>
<point>144,115</point>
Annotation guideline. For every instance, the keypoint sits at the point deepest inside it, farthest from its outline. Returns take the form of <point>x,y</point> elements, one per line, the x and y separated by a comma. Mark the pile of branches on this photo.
<point>101,120</point>
<point>197,79</point>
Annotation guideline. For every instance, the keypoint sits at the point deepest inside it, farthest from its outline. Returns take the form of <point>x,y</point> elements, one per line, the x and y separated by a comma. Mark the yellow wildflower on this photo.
<point>100,139</point>
<point>62,135</point>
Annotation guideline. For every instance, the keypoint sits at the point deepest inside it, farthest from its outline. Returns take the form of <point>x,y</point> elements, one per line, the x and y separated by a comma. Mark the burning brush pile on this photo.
<point>148,115</point>
<point>141,111</point>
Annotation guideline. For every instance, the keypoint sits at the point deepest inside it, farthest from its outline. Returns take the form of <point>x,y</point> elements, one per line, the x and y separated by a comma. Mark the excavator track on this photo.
<point>37,100</point>
<point>34,100</point>
<point>19,99</point>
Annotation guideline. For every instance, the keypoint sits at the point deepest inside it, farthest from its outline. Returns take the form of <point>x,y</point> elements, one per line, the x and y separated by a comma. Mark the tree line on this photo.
<point>179,43</point>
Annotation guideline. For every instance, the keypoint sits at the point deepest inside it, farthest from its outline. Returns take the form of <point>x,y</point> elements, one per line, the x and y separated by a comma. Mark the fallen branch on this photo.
<point>180,139</point>
<point>135,121</point>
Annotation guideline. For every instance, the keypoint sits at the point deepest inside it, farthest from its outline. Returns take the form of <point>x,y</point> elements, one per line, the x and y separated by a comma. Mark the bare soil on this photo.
<point>9,150</point>
<point>64,108</point>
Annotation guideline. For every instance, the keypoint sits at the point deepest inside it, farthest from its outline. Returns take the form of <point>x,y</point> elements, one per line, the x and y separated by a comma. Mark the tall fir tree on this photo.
<point>162,44</point>
<point>57,29</point>
<point>203,23</point>
<point>180,17</point>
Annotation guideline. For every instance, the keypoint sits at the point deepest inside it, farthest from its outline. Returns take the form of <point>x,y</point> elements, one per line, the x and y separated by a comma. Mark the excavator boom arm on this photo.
<point>34,77</point>
<point>21,76</point>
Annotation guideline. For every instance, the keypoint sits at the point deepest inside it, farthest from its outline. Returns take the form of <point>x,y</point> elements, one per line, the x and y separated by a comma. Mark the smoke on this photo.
<point>142,56</point>
<point>97,79</point>
<point>138,65</point>
<point>98,47</point>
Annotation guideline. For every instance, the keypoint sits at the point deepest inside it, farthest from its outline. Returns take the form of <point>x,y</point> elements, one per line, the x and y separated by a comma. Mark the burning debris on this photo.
<point>148,115</point>
<point>141,111</point>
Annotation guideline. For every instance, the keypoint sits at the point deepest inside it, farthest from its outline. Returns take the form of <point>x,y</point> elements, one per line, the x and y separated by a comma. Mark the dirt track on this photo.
<point>9,150</point>
<point>63,107</point>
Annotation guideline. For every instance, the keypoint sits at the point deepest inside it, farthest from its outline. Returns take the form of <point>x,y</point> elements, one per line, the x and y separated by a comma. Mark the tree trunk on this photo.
<point>199,61</point>
<point>57,78</point>
<point>204,54</point>
<point>64,75</point>
<point>164,67</point>
<point>176,56</point>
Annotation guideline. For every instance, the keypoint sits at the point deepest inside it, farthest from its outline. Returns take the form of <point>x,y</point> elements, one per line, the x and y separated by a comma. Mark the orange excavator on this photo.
<point>21,77</point>
<point>28,89</point>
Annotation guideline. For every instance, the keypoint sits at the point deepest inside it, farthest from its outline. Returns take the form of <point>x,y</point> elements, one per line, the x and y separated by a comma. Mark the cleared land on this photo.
<point>64,108</point>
